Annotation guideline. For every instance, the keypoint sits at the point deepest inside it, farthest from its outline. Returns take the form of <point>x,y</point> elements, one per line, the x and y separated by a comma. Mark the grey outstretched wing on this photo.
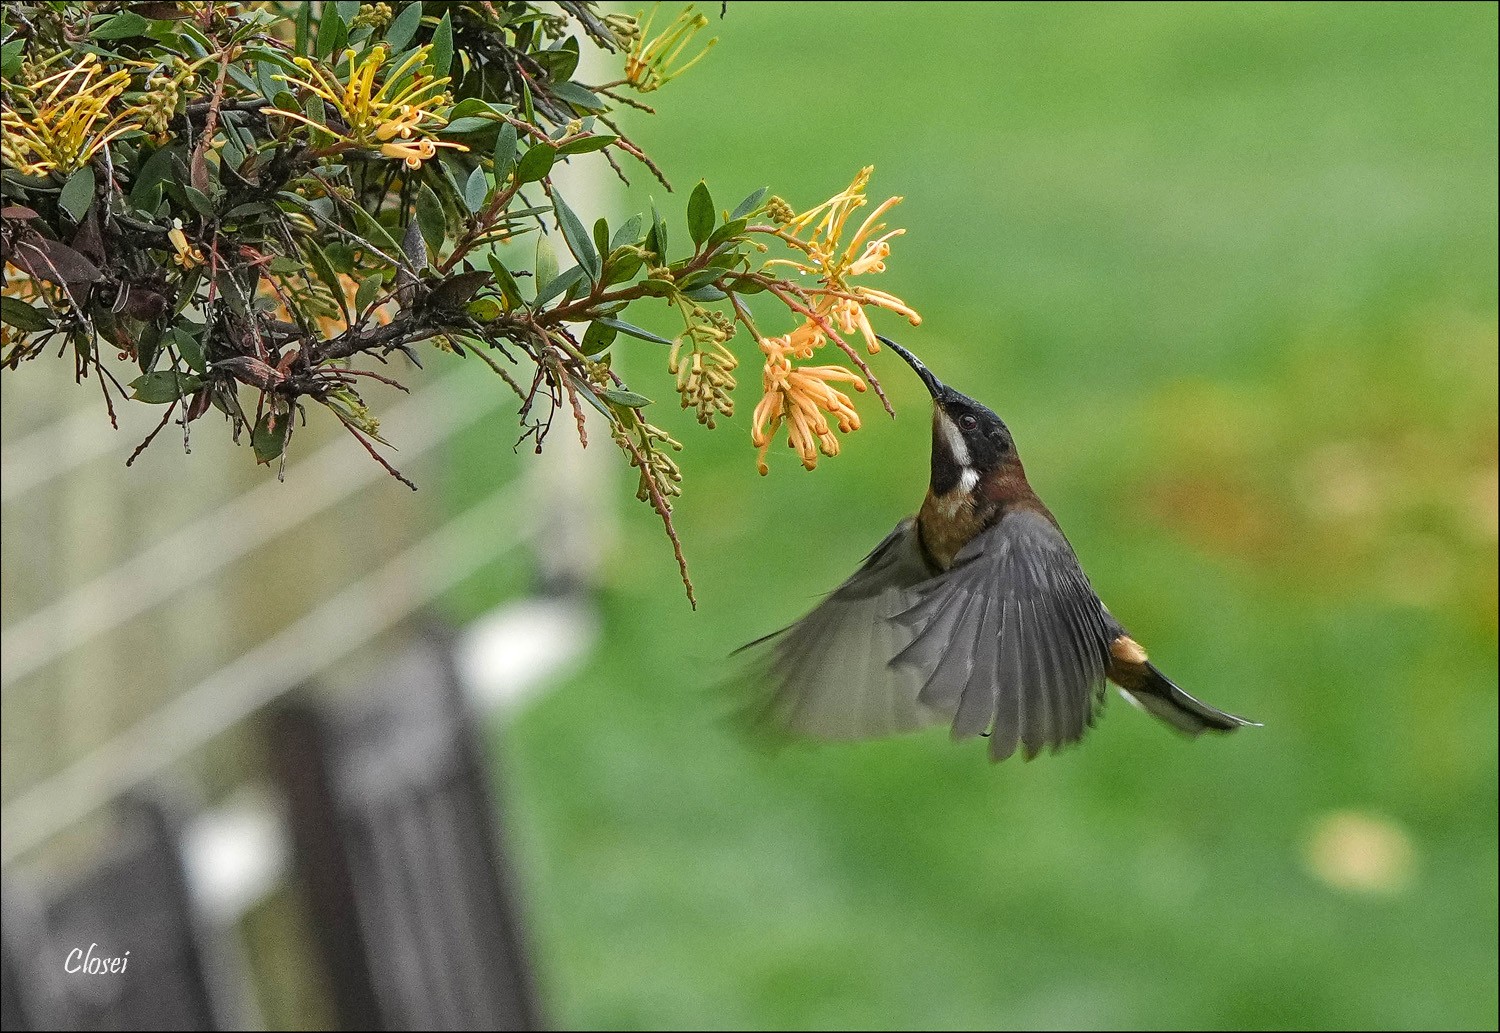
<point>829,675</point>
<point>1011,641</point>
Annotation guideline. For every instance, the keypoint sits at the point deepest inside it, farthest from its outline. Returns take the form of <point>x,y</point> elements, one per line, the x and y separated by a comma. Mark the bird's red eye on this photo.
<point>968,422</point>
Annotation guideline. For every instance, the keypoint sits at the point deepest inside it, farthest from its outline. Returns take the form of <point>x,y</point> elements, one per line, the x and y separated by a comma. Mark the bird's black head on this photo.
<point>969,442</point>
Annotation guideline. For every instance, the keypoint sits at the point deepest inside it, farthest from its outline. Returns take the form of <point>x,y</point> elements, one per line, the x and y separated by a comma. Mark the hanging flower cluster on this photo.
<point>798,396</point>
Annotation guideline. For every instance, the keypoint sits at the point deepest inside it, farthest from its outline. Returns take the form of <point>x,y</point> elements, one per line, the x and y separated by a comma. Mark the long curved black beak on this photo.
<point>935,387</point>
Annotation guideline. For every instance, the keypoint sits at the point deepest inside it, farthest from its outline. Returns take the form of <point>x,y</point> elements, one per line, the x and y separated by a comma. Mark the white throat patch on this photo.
<point>958,449</point>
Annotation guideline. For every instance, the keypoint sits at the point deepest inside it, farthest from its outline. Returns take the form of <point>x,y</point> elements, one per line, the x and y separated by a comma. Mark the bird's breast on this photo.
<point>946,523</point>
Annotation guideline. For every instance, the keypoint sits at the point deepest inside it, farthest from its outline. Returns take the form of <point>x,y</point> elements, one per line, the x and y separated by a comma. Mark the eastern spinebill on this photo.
<point>974,613</point>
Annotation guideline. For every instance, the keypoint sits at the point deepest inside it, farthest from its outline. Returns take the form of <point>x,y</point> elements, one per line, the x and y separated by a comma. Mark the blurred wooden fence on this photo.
<point>224,749</point>
<point>397,862</point>
<point>129,673</point>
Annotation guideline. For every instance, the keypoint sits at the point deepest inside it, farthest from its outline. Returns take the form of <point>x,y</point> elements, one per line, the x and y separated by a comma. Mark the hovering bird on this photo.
<point>974,613</point>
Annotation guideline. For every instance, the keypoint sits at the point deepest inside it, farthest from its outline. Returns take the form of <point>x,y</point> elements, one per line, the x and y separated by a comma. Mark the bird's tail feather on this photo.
<point>1160,697</point>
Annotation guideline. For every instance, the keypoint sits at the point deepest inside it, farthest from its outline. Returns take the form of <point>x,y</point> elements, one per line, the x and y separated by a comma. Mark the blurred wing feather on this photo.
<point>829,675</point>
<point>1011,641</point>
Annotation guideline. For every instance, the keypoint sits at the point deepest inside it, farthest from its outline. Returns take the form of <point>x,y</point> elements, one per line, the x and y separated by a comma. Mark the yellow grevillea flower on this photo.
<point>187,255</point>
<point>647,66</point>
<point>835,263</point>
<point>61,122</point>
<point>385,117</point>
<point>414,152</point>
<point>800,395</point>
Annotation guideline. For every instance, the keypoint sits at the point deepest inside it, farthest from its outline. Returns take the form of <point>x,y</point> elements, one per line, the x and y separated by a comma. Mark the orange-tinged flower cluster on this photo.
<point>799,396</point>
<point>835,263</point>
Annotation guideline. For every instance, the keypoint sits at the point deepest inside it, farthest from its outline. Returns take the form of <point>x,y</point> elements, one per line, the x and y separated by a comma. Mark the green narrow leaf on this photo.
<point>121,26</point>
<point>657,241</point>
<point>633,331</point>
<point>749,204</point>
<point>561,284</point>
<point>313,108</point>
<point>545,270</point>
<point>430,218</point>
<point>199,200</point>
<point>318,259</point>
<point>601,235</point>
<point>476,189</point>
<point>404,27</point>
<point>700,213</point>
<point>442,47</point>
<point>506,282</point>
<point>190,347</point>
<point>577,237</point>
<point>332,32</point>
<point>369,289</point>
<point>148,347</point>
<point>585,144</point>
<point>505,153</point>
<point>572,93</point>
<point>149,175</point>
<point>587,393</point>
<point>467,124</point>
<point>78,193</point>
<point>622,268</point>
<point>627,398</point>
<point>165,385</point>
<point>732,228</point>
<point>22,316</point>
<point>597,338</point>
<point>528,106</point>
<point>378,236</point>
<point>536,163</point>
<point>479,107</point>
<point>264,56</point>
<point>628,234</point>
<point>270,436</point>
<point>303,28</point>
<point>348,9</point>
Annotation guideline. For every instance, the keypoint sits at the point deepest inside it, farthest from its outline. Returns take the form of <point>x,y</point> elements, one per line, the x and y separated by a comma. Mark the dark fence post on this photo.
<point>31,994</point>
<point>398,850</point>
<point>118,947</point>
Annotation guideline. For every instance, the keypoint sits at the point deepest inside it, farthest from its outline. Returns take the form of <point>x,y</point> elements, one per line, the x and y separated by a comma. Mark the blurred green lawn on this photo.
<point>1229,272</point>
